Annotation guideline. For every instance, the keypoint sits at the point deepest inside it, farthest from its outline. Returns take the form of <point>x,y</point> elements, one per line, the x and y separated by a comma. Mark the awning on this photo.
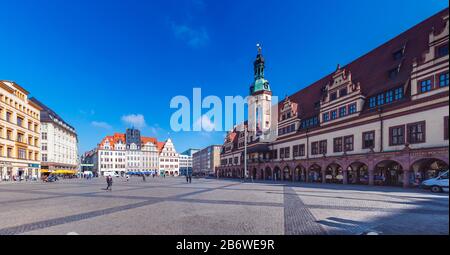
<point>64,172</point>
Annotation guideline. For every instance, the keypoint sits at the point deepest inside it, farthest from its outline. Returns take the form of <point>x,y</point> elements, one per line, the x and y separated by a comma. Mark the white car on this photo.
<point>438,184</point>
<point>113,174</point>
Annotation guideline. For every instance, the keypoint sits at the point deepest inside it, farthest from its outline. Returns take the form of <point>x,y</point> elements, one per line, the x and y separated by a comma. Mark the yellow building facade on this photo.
<point>19,134</point>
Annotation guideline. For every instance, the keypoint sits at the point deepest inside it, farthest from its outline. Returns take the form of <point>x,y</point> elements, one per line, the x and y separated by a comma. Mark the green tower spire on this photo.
<point>260,84</point>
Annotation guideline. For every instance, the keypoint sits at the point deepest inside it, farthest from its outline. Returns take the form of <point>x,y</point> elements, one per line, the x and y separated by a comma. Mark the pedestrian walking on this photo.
<point>107,182</point>
<point>187,178</point>
<point>190,178</point>
<point>143,177</point>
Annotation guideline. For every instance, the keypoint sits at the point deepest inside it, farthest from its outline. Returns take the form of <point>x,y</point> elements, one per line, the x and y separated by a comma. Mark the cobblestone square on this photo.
<point>170,206</point>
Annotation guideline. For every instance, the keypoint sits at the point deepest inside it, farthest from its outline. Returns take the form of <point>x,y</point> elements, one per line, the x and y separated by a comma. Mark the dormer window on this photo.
<point>316,105</point>
<point>393,73</point>
<point>442,51</point>
<point>398,54</point>
<point>333,96</point>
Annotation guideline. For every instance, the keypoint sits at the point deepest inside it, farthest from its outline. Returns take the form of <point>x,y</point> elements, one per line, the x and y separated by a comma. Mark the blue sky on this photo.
<point>106,65</point>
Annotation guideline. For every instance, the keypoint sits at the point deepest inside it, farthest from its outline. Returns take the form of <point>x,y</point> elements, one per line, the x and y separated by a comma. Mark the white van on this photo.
<point>438,184</point>
<point>113,174</point>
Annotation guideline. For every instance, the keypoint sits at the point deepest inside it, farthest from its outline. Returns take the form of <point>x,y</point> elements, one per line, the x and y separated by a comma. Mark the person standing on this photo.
<point>187,178</point>
<point>143,177</point>
<point>110,183</point>
<point>190,178</point>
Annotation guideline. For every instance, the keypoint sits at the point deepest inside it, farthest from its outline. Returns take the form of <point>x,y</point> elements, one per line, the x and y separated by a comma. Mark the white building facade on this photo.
<point>59,141</point>
<point>169,160</point>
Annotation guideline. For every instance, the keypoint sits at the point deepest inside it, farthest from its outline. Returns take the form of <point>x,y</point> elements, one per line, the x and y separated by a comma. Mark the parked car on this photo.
<point>438,184</point>
<point>113,174</point>
<point>51,178</point>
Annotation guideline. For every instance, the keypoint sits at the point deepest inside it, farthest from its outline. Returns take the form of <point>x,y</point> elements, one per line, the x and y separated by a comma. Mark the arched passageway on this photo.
<point>334,173</point>
<point>425,169</point>
<point>287,174</point>
<point>268,174</point>
<point>315,174</point>
<point>388,173</point>
<point>300,174</point>
<point>277,174</point>
<point>358,173</point>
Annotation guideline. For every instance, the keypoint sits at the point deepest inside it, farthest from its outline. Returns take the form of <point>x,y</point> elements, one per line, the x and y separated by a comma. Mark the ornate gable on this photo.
<point>341,81</point>
<point>289,109</point>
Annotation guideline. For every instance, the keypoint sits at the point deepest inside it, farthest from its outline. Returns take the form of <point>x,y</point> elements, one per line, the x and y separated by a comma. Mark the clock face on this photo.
<point>266,86</point>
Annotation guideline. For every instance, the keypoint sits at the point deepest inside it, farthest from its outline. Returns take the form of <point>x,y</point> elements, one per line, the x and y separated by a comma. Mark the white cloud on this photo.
<point>100,124</point>
<point>193,37</point>
<point>205,123</point>
<point>156,130</point>
<point>135,120</point>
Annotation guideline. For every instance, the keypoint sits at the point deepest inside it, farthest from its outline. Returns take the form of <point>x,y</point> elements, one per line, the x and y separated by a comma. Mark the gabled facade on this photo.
<point>381,119</point>
<point>169,159</point>
<point>120,154</point>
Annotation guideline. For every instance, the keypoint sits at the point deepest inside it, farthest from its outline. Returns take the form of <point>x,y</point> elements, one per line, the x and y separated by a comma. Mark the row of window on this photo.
<point>415,133</point>
<point>343,111</point>
<point>18,106</point>
<point>386,97</point>
<point>20,137</point>
<point>20,121</point>
<point>21,153</point>
<point>309,123</point>
<point>286,130</point>
<point>342,92</point>
<point>411,133</point>
<point>429,85</point>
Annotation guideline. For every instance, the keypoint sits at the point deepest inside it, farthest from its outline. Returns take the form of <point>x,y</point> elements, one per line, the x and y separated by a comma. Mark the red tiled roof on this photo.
<point>371,70</point>
<point>145,140</point>
<point>113,140</point>
<point>160,146</point>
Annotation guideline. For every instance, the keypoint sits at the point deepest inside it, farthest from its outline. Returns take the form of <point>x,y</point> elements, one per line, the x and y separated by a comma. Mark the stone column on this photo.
<point>345,177</point>
<point>406,174</point>
<point>371,167</point>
